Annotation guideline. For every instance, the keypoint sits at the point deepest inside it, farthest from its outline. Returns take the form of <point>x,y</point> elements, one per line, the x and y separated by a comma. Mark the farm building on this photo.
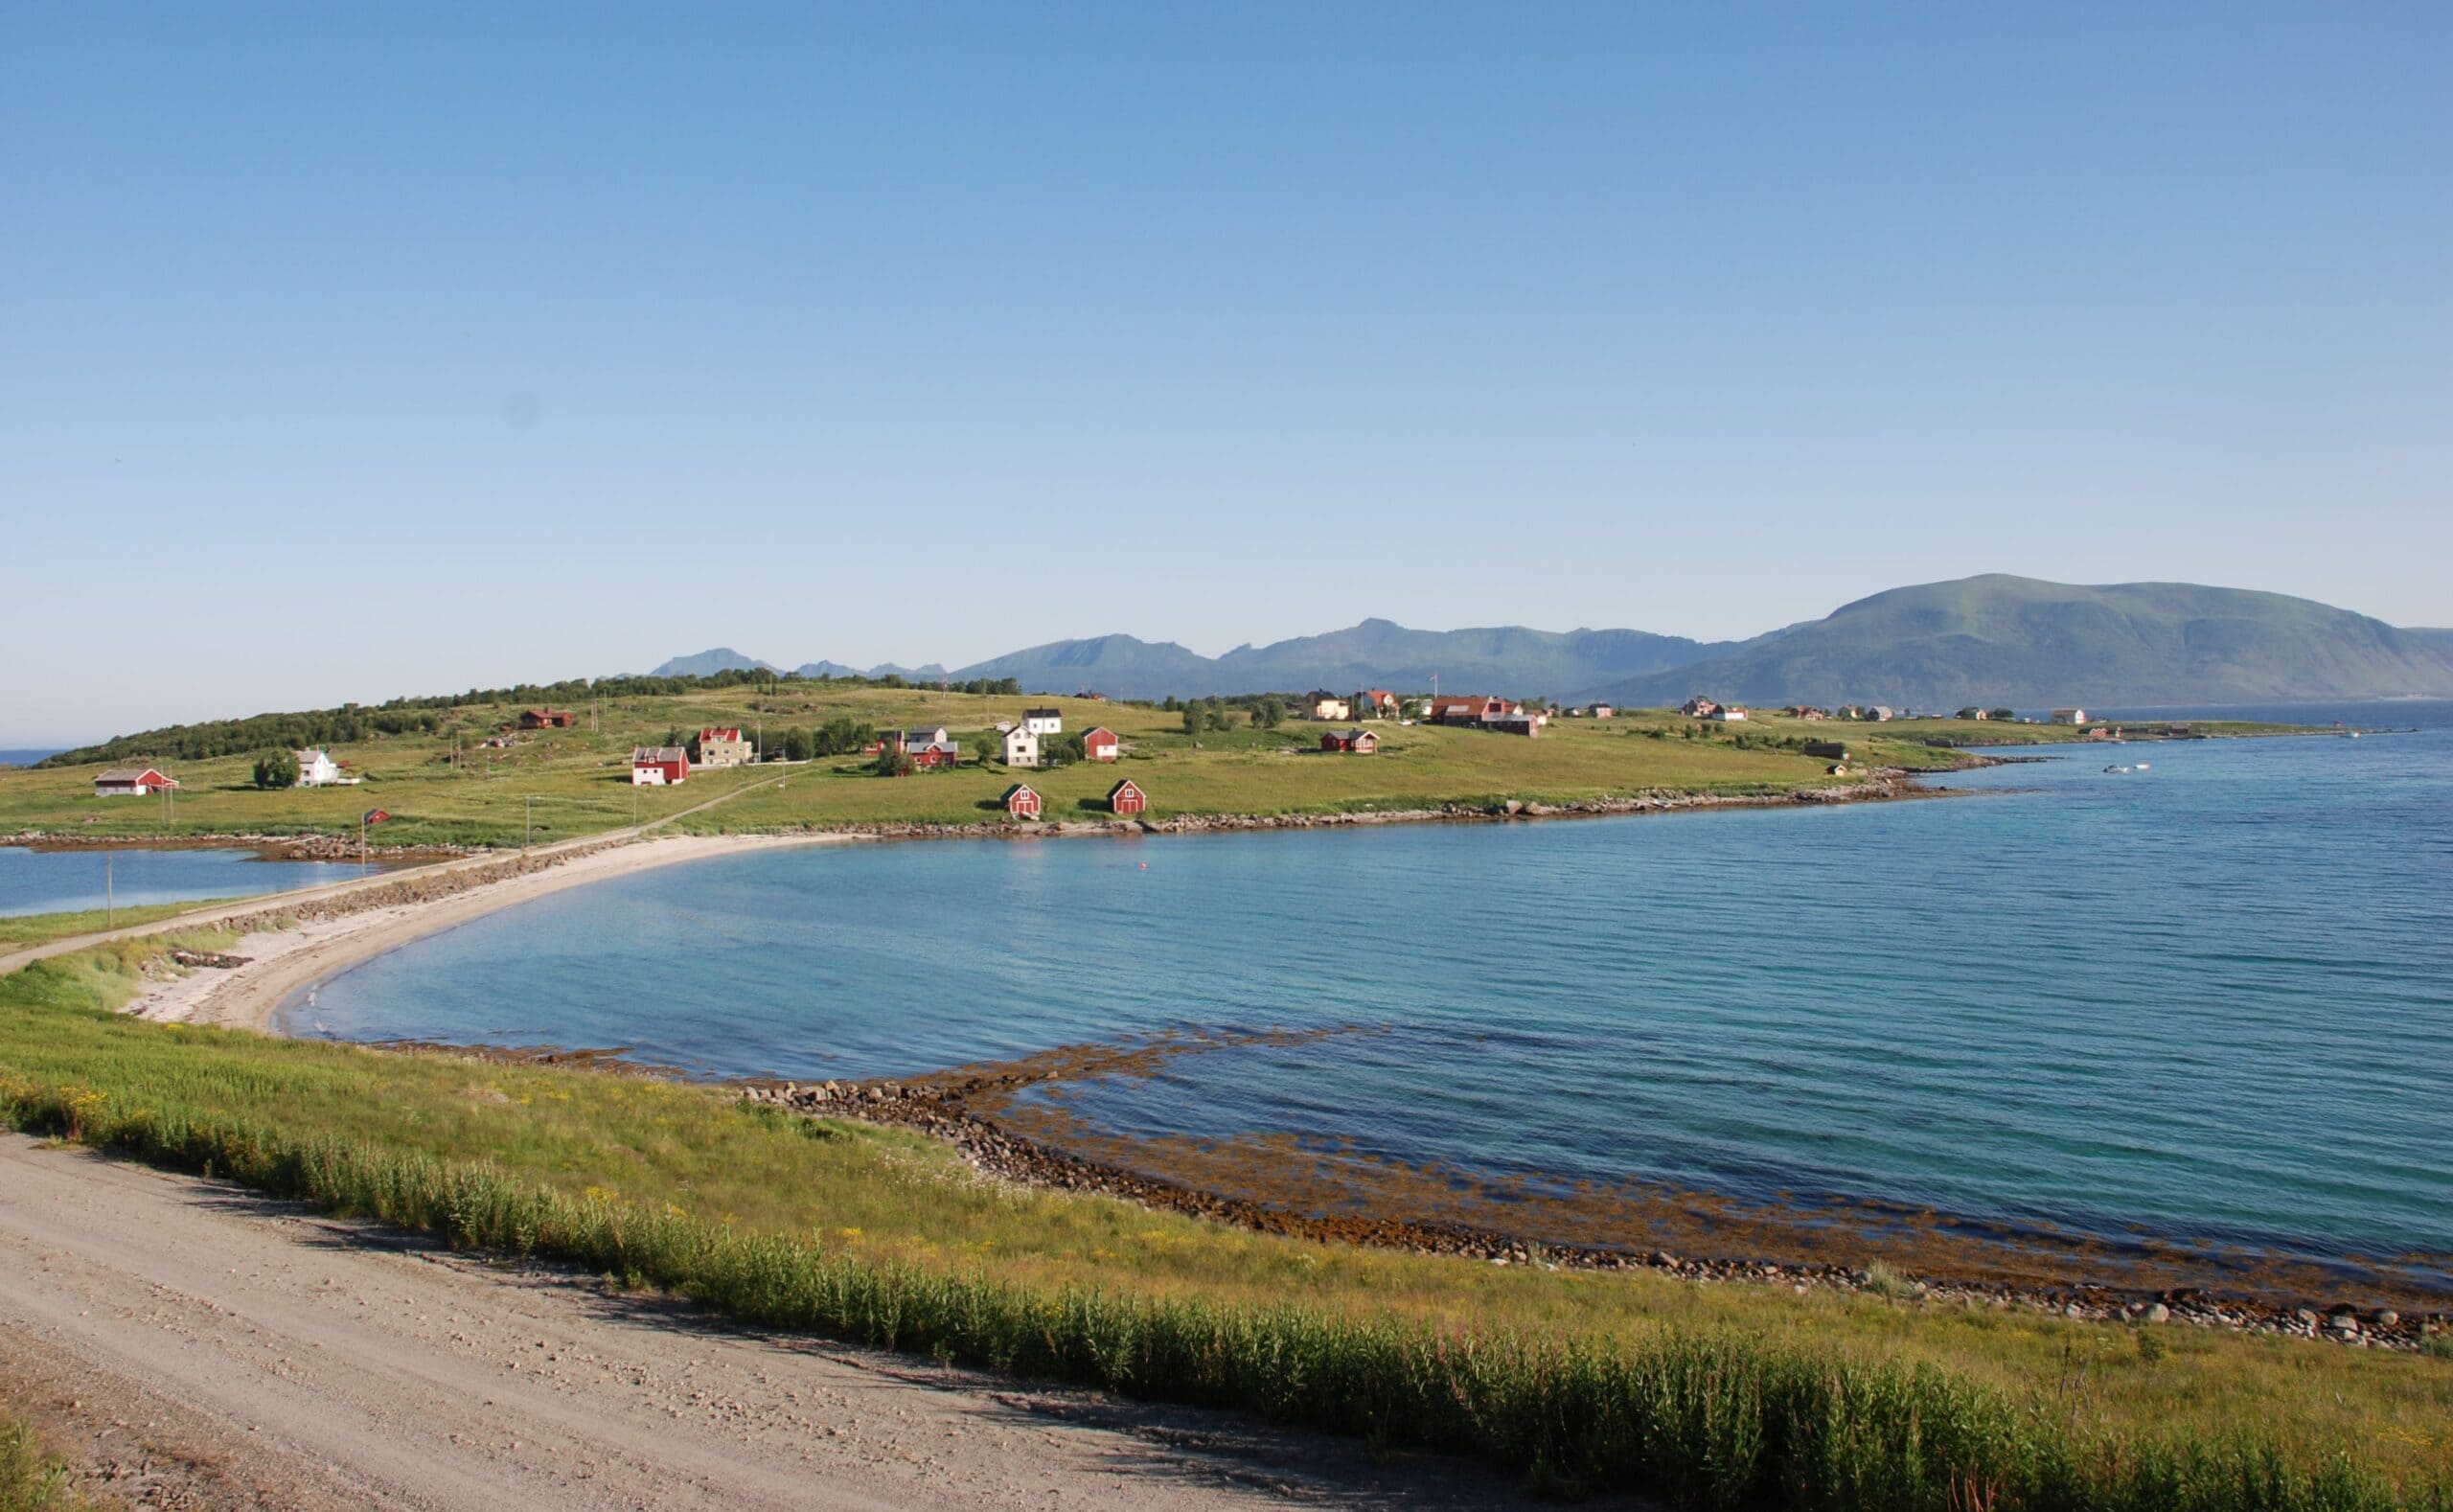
<point>132,782</point>
<point>1727,714</point>
<point>1471,712</point>
<point>1362,742</point>
<point>1881,713</point>
<point>1375,703</point>
<point>547,719</point>
<point>930,749</point>
<point>1021,801</point>
<point>1826,750</point>
<point>1127,797</point>
<point>659,767</point>
<point>1044,722</point>
<point>1099,743</point>
<point>722,746</point>
<point>1321,704</point>
<point>1021,748</point>
<point>2069,715</point>
<point>1605,711</point>
<point>317,768</point>
<point>1699,707</point>
<point>1514,722</point>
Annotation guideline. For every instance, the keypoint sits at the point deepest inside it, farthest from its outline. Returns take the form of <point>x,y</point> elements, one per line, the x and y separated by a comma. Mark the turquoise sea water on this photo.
<point>2212,1001</point>
<point>71,880</point>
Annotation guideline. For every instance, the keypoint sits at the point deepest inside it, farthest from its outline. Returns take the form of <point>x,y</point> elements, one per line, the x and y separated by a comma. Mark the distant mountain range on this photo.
<point>1993,640</point>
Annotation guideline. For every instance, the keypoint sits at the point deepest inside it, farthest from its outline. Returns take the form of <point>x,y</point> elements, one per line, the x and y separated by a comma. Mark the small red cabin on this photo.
<point>547,719</point>
<point>1127,797</point>
<point>1099,743</point>
<point>1361,741</point>
<point>1022,802</point>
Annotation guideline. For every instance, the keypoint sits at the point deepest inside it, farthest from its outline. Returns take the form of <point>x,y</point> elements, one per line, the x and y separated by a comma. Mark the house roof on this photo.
<point>129,773</point>
<point>1353,735</point>
<point>1126,783</point>
<point>1097,730</point>
<point>721,732</point>
<point>1020,786</point>
<point>642,754</point>
<point>1042,713</point>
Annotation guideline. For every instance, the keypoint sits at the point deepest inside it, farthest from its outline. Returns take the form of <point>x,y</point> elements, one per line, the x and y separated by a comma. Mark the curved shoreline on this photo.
<point>294,940</point>
<point>301,940</point>
<point>286,948</point>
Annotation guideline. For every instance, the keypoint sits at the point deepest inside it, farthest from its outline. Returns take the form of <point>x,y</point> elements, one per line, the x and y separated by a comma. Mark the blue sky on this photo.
<point>353,354</point>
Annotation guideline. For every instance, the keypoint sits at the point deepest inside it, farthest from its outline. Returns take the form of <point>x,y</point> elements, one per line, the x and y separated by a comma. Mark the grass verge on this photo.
<point>32,1480</point>
<point>1727,1396</point>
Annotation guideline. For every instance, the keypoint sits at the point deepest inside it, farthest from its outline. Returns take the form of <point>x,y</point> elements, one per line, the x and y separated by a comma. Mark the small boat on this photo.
<point>2120,768</point>
<point>2143,765</point>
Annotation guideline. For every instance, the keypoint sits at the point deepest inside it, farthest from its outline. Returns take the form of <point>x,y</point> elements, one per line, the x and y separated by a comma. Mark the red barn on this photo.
<point>547,719</point>
<point>1099,743</point>
<point>659,766</point>
<point>1022,802</point>
<point>130,782</point>
<point>1127,797</point>
<point>1361,741</point>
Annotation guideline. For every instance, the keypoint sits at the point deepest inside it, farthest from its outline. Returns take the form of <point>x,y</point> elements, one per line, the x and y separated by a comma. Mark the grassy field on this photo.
<point>559,784</point>
<point>1720,1395</point>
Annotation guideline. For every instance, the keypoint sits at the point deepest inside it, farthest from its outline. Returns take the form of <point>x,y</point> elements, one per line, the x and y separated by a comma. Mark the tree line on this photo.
<point>353,722</point>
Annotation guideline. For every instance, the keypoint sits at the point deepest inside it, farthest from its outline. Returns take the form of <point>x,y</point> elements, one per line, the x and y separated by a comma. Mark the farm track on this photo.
<point>195,1345</point>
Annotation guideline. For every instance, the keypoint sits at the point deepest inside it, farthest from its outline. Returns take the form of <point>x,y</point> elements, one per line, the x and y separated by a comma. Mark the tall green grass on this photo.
<point>32,1480</point>
<point>1706,1418</point>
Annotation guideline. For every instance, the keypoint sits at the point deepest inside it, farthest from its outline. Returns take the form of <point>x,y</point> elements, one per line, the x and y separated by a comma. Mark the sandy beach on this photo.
<point>282,962</point>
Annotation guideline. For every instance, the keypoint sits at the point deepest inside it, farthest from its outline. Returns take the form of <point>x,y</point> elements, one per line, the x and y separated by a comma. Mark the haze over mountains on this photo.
<point>1990,639</point>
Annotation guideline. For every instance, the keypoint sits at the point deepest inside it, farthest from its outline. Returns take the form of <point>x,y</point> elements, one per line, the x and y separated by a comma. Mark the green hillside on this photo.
<point>2002,640</point>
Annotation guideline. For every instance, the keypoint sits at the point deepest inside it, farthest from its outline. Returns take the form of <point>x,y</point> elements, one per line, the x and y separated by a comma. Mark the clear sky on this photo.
<point>352,350</point>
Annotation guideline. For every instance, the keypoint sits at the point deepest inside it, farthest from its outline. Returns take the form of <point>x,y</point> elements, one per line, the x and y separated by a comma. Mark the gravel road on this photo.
<point>195,1345</point>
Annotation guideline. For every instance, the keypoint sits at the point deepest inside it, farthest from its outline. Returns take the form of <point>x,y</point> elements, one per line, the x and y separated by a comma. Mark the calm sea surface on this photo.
<point>65,882</point>
<point>2213,999</point>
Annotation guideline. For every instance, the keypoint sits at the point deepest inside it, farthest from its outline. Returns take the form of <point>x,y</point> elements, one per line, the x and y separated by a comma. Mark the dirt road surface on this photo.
<point>196,1345</point>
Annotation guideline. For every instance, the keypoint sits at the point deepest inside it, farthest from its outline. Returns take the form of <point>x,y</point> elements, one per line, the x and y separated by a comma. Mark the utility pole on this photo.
<point>109,898</point>
<point>527,818</point>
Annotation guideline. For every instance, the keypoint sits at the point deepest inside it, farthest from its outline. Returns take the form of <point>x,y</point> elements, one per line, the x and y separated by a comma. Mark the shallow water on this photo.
<point>74,881</point>
<point>2212,1001</point>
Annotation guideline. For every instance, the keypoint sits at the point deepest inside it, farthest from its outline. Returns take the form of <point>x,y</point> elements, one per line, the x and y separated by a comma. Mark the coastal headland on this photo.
<point>285,945</point>
<point>951,1174</point>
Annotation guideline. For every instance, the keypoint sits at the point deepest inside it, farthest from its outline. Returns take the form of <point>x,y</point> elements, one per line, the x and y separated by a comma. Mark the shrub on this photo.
<point>277,769</point>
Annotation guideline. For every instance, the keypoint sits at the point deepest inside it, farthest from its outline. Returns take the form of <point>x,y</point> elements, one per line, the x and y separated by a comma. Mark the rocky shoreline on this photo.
<point>309,847</point>
<point>1883,785</point>
<point>942,1105</point>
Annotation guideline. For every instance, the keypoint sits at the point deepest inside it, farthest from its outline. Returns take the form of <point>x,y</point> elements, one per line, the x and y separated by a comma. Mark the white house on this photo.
<point>1044,722</point>
<point>1728,714</point>
<point>1022,747</point>
<point>1321,704</point>
<point>317,768</point>
<point>2069,715</point>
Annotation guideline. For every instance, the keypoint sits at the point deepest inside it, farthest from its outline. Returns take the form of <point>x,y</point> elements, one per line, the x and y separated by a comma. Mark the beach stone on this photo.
<point>2305,1316</point>
<point>2388,1319</point>
<point>2159,1313</point>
